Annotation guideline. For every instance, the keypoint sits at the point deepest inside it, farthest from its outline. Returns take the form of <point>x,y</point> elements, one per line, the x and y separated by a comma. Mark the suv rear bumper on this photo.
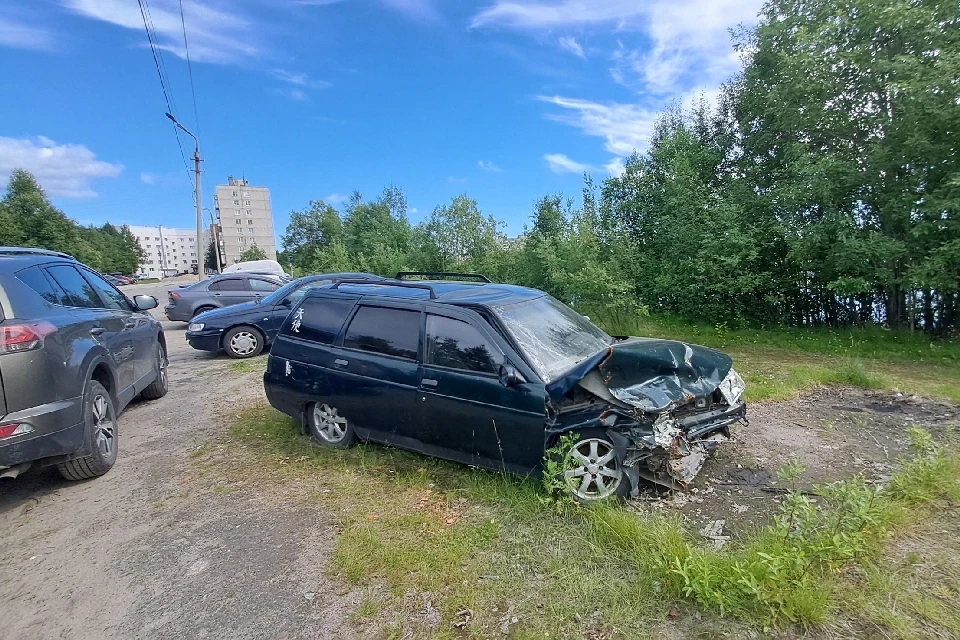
<point>49,436</point>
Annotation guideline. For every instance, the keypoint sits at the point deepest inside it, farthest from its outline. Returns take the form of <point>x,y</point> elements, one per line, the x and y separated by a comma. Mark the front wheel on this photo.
<point>592,471</point>
<point>243,342</point>
<point>158,388</point>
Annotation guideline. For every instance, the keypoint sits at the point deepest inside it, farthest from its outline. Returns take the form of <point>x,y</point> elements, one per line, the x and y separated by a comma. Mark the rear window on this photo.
<point>318,319</point>
<point>392,332</point>
<point>79,292</point>
<point>36,279</point>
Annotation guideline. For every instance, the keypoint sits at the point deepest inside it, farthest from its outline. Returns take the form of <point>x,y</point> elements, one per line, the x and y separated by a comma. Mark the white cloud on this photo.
<point>148,178</point>
<point>488,166</point>
<point>624,127</point>
<point>222,36</point>
<point>560,163</point>
<point>688,41</point>
<point>299,79</point>
<point>421,10</point>
<point>63,170</point>
<point>21,36</point>
<point>293,94</point>
<point>571,45</point>
<point>615,167</point>
<point>412,210</point>
<point>336,198</point>
<point>455,179</point>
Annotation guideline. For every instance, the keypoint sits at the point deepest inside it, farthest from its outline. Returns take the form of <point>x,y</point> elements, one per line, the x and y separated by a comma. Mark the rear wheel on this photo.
<point>243,342</point>
<point>591,469</point>
<point>328,427</point>
<point>100,421</point>
<point>202,310</point>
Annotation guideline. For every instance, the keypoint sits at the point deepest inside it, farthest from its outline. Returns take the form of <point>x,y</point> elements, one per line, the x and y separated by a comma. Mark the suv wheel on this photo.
<point>328,427</point>
<point>100,425</point>
<point>158,388</point>
<point>592,471</point>
<point>243,342</point>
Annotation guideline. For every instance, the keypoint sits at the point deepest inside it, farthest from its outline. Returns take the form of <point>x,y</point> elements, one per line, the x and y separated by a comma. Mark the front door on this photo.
<point>464,409</point>
<point>230,291</point>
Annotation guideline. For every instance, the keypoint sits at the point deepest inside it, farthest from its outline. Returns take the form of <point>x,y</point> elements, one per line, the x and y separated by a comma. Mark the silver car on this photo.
<point>217,292</point>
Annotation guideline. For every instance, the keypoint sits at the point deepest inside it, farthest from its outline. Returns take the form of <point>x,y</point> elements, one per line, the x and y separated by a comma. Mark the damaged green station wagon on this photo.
<point>493,375</point>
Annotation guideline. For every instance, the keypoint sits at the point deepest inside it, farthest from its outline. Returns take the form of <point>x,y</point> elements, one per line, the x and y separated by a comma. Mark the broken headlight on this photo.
<point>732,387</point>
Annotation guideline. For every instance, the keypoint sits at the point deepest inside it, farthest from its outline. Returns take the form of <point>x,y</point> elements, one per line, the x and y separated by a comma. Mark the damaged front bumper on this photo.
<point>674,451</point>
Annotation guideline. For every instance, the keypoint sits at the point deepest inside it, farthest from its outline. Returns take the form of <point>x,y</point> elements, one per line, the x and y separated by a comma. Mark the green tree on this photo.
<point>212,257</point>
<point>253,253</point>
<point>310,230</point>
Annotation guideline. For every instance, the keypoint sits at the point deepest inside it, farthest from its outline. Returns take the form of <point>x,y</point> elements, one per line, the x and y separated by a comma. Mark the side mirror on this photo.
<point>509,376</point>
<point>145,303</point>
<point>286,302</point>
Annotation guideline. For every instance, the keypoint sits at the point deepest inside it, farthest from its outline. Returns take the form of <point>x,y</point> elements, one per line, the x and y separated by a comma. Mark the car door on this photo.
<point>230,291</point>
<point>463,406</point>
<point>105,326</point>
<point>374,376</point>
<point>279,311</point>
<point>138,330</point>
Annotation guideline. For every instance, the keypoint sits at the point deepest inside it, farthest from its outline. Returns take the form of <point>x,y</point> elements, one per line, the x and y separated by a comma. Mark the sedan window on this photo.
<point>263,285</point>
<point>392,332</point>
<point>228,284</point>
<point>458,345</point>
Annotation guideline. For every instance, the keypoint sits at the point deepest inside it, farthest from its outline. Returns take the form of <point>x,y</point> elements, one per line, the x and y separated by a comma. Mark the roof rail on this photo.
<point>387,283</point>
<point>36,252</point>
<point>443,274</point>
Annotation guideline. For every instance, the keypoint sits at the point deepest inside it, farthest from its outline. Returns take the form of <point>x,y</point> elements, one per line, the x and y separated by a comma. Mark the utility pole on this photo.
<point>201,267</point>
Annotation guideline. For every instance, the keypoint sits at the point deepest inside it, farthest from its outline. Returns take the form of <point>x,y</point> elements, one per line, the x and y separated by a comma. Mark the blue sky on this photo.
<point>505,101</point>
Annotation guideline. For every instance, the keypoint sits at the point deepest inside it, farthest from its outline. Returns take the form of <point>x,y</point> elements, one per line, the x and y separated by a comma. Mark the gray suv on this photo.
<point>221,291</point>
<point>74,351</point>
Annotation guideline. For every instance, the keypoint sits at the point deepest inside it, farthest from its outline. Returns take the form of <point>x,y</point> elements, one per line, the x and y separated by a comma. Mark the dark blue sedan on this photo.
<point>243,330</point>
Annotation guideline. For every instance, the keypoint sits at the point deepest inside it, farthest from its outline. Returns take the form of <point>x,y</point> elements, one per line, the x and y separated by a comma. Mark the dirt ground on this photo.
<point>161,548</point>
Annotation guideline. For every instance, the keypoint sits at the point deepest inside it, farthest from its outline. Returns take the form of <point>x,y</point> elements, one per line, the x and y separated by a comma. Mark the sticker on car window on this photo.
<point>297,320</point>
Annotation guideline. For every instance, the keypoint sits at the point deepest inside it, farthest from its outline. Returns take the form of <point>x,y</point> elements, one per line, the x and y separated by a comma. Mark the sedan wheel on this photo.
<point>330,428</point>
<point>592,471</point>
<point>243,342</point>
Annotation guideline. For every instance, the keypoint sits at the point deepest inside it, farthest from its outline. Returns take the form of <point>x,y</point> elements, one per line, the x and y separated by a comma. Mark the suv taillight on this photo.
<point>24,337</point>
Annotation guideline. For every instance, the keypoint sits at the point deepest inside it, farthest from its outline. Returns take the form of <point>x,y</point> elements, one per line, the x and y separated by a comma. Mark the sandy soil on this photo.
<point>164,546</point>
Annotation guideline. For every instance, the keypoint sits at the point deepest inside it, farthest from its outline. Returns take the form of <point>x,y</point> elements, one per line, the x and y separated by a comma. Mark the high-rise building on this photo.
<point>169,251</point>
<point>245,219</point>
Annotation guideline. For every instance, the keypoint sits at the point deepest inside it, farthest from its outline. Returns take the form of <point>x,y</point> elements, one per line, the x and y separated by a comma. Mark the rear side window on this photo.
<point>263,285</point>
<point>36,279</point>
<point>231,284</point>
<point>78,292</point>
<point>458,345</point>
<point>392,332</point>
<point>318,319</point>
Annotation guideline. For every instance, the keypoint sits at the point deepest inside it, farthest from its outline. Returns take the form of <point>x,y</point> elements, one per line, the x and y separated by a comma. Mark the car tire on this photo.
<point>328,427</point>
<point>100,431</point>
<point>158,388</point>
<point>592,470</point>
<point>203,309</point>
<point>243,342</point>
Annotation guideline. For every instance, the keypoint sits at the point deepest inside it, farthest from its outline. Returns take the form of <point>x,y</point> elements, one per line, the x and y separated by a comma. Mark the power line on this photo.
<point>193,92</point>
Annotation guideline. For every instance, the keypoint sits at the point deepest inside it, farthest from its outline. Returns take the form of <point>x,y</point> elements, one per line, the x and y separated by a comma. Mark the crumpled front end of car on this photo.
<point>664,404</point>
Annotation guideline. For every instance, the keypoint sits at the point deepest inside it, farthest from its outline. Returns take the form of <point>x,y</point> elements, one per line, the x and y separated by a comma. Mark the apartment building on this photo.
<point>169,251</point>
<point>245,219</point>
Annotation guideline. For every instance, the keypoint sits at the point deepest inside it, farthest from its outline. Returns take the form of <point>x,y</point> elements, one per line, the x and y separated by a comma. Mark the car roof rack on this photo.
<point>36,252</point>
<point>443,274</point>
<point>387,283</point>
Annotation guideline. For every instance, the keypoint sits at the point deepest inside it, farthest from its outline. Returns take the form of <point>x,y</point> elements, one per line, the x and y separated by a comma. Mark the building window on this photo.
<point>156,238</point>
<point>246,202</point>
<point>249,212</point>
<point>246,194</point>
<point>234,193</point>
<point>238,211</point>
<point>193,254</point>
<point>236,202</point>
<point>239,221</point>
<point>250,221</point>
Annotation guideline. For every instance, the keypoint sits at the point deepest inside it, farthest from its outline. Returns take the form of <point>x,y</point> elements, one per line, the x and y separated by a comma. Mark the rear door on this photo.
<point>375,371</point>
<point>229,291</point>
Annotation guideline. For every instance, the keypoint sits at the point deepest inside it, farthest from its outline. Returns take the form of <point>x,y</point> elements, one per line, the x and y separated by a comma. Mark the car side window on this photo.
<point>228,284</point>
<point>78,292</point>
<point>36,279</point>
<point>318,319</point>
<point>296,296</point>
<point>458,345</point>
<point>392,332</point>
<point>262,285</point>
<point>113,298</point>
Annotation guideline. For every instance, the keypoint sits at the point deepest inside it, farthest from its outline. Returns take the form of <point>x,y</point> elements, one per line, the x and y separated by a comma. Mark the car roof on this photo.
<point>18,260</point>
<point>445,291</point>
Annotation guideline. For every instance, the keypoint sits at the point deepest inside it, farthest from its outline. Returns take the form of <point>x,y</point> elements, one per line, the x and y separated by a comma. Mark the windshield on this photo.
<point>551,335</point>
<point>294,290</point>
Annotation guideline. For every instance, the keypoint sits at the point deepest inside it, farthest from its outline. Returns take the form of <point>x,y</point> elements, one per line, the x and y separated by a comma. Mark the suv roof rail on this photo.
<point>36,252</point>
<point>443,274</point>
<point>387,283</point>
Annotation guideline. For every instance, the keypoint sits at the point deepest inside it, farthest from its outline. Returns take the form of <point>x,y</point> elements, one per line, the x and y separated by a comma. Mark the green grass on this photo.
<point>258,363</point>
<point>780,363</point>
<point>499,547</point>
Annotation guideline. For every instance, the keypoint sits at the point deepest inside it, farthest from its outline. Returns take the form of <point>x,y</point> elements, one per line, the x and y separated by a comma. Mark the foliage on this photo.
<point>253,253</point>
<point>212,258</point>
<point>28,219</point>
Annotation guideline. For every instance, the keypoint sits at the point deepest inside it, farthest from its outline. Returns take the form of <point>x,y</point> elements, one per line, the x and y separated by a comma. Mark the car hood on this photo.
<point>647,373</point>
<point>232,310</point>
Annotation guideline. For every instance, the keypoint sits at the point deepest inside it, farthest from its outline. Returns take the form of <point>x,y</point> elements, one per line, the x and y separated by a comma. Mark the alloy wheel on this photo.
<point>244,343</point>
<point>104,428</point>
<point>328,423</point>
<point>591,470</point>
<point>162,365</point>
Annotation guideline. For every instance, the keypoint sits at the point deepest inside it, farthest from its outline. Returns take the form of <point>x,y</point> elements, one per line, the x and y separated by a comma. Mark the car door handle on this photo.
<point>340,362</point>
<point>428,382</point>
<point>217,295</point>
<point>96,331</point>
<point>130,324</point>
